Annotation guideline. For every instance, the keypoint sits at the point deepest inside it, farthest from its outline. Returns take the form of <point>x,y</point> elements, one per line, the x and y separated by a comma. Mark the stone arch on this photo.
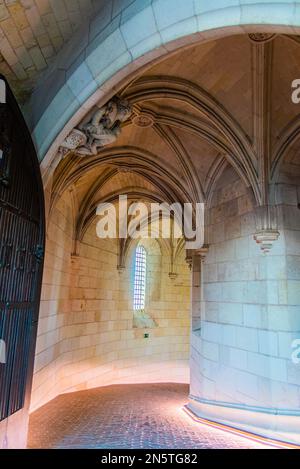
<point>115,44</point>
<point>128,157</point>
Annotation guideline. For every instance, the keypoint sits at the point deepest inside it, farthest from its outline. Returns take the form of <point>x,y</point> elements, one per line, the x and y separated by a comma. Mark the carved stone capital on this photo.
<point>202,252</point>
<point>75,261</point>
<point>189,260</point>
<point>266,238</point>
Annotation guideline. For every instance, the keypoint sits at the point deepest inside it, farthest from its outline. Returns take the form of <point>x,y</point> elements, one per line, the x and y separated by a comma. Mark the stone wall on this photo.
<point>241,357</point>
<point>86,336</point>
<point>55,303</point>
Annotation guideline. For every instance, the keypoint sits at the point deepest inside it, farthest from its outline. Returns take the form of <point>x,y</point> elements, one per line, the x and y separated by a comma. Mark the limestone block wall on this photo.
<point>242,355</point>
<point>165,353</point>
<point>286,314</point>
<point>86,336</point>
<point>55,304</point>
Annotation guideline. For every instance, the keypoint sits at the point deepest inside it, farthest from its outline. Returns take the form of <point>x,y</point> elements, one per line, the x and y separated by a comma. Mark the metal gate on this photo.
<point>21,255</point>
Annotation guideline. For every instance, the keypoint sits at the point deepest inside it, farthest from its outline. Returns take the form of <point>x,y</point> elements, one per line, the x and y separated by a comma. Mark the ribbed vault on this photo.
<point>193,116</point>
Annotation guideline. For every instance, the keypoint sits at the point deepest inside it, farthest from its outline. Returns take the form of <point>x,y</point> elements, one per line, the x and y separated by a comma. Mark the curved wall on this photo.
<point>240,361</point>
<point>128,35</point>
<point>242,368</point>
<point>86,335</point>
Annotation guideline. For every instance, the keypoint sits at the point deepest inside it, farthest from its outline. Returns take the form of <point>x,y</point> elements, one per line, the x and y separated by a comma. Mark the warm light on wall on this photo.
<point>250,436</point>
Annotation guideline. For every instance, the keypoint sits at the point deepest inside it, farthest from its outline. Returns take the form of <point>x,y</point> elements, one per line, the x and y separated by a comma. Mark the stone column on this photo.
<point>242,368</point>
<point>197,259</point>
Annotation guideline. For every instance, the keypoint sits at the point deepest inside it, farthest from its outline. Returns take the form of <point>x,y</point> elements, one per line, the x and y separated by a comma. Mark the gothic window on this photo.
<point>140,278</point>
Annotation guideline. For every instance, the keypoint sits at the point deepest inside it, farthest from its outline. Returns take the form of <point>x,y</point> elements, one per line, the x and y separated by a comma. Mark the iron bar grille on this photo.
<point>20,227</point>
<point>140,278</point>
<point>15,330</point>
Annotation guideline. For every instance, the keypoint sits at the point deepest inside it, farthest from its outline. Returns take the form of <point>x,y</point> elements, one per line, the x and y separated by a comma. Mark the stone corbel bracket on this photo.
<point>266,227</point>
<point>173,275</point>
<point>102,129</point>
<point>202,252</point>
<point>266,238</point>
<point>189,259</point>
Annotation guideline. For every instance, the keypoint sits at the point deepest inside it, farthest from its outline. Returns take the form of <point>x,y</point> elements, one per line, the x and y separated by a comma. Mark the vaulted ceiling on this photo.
<point>219,103</point>
<point>225,102</point>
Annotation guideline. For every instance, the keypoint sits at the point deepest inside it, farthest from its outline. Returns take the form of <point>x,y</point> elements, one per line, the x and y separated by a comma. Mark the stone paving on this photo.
<point>126,416</point>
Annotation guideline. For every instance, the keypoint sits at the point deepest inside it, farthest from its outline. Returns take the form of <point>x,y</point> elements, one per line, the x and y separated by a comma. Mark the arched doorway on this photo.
<point>21,263</point>
<point>138,53</point>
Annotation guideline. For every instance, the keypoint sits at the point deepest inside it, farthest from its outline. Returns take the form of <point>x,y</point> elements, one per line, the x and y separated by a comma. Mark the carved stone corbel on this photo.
<point>189,258</point>
<point>202,252</point>
<point>102,129</point>
<point>121,268</point>
<point>173,275</point>
<point>265,238</point>
<point>266,227</point>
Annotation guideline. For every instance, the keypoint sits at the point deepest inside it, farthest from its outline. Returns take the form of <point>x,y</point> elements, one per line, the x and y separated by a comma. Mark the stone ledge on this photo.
<point>278,425</point>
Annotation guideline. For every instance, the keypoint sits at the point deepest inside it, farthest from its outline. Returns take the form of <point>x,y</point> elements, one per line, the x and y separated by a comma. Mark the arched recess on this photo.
<point>88,213</point>
<point>124,38</point>
<point>240,154</point>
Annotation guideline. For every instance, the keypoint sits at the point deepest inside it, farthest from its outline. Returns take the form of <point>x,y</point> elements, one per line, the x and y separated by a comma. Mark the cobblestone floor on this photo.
<point>126,416</point>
